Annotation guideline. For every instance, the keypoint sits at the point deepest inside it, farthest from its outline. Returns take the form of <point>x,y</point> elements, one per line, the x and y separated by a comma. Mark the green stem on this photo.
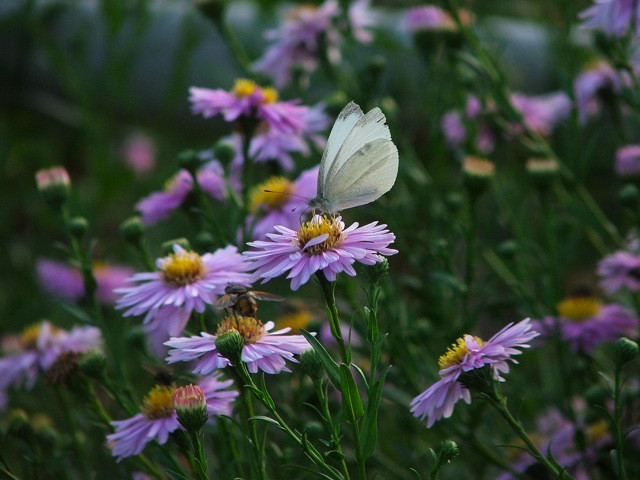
<point>233,446</point>
<point>200,461</point>
<point>498,401</point>
<point>617,417</point>
<point>328,291</point>
<point>336,437</point>
<point>307,447</point>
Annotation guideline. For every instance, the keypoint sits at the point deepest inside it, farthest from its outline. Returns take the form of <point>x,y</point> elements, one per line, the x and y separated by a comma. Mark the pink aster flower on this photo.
<point>614,17</point>
<point>38,347</point>
<point>283,207</point>
<point>297,42</point>
<point>591,85</point>
<point>185,282</point>
<point>263,350</point>
<point>65,282</point>
<point>542,112</point>
<point>139,153</point>
<point>159,205</point>
<point>429,17</point>
<point>620,270</point>
<point>585,323</point>
<point>247,99</point>
<point>628,161</point>
<point>321,244</point>
<point>469,353</point>
<point>158,417</point>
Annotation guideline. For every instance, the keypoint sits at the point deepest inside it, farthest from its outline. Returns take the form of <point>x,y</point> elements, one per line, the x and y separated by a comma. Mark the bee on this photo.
<point>244,301</point>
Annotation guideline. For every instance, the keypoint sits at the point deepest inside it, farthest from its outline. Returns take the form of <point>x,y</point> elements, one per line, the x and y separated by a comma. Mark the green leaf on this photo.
<point>262,418</point>
<point>330,366</point>
<point>370,429</point>
<point>352,409</point>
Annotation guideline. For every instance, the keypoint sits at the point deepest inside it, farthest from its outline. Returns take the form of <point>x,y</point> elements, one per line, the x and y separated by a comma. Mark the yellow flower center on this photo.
<point>274,199</point>
<point>251,329</point>
<point>269,95</point>
<point>29,336</point>
<point>596,431</point>
<point>579,308</point>
<point>158,403</point>
<point>320,226</point>
<point>295,321</point>
<point>184,268</point>
<point>244,88</point>
<point>456,352</point>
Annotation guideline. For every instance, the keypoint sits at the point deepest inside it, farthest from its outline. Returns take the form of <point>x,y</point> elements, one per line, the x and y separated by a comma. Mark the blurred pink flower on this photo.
<point>590,86</point>
<point>628,161</point>
<point>64,281</point>
<point>614,17</point>
<point>139,153</point>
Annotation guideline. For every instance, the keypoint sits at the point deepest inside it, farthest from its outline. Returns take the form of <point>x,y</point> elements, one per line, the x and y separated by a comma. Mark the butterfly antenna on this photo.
<point>287,193</point>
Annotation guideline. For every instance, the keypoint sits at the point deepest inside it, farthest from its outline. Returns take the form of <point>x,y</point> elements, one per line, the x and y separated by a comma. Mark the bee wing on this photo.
<point>226,301</point>
<point>267,297</point>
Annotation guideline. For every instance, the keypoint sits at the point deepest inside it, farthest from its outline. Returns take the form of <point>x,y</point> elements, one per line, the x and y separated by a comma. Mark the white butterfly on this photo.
<point>359,163</point>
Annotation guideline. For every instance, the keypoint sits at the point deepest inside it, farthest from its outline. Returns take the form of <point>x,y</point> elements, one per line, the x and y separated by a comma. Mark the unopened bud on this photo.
<point>191,405</point>
<point>478,172</point>
<point>230,345</point>
<point>93,365</point>
<point>312,364</point>
<point>629,195</point>
<point>18,423</point>
<point>132,230</point>
<point>190,161</point>
<point>625,350</point>
<point>78,227</point>
<point>224,152</point>
<point>542,171</point>
<point>54,184</point>
<point>376,272</point>
<point>448,451</point>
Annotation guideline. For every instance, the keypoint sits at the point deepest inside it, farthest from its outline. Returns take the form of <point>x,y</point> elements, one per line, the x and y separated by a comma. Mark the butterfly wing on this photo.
<point>341,129</point>
<point>365,176</point>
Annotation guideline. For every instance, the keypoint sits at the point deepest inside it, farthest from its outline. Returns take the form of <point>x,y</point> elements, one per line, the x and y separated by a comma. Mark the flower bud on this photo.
<point>629,195</point>
<point>448,451</point>
<point>191,407</point>
<point>132,230</point>
<point>54,184</point>
<point>311,364</point>
<point>478,172</point>
<point>190,161</point>
<point>93,365</point>
<point>167,247</point>
<point>376,272</point>
<point>78,227</point>
<point>625,350</point>
<point>136,339</point>
<point>18,423</point>
<point>542,171</point>
<point>230,345</point>
<point>224,152</point>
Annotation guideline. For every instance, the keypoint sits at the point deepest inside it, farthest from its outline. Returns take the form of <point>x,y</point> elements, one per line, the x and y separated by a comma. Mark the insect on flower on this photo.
<point>244,301</point>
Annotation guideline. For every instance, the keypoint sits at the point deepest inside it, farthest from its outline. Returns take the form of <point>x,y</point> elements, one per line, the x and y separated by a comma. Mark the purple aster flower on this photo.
<point>542,112</point>
<point>159,205</point>
<point>321,244</point>
<point>585,323</point>
<point>249,100</point>
<point>184,282</point>
<point>620,270</point>
<point>297,42</point>
<point>65,282</point>
<point>429,17</point>
<point>158,417</point>
<point>453,129</point>
<point>278,201</point>
<point>38,347</point>
<point>614,17</point>
<point>469,353</point>
<point>263,350</point>
<point>628,161</point>
<point>591,84</point>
